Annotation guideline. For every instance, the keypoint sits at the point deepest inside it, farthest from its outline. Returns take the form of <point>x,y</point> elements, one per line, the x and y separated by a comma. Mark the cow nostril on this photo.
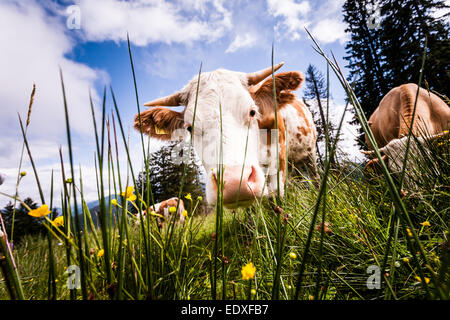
<point>214,179</point>
<point>253,176</point>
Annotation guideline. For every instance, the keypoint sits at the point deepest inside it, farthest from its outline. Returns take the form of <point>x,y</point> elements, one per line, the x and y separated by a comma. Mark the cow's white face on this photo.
<point>226,119</point>
<point>222,119</point>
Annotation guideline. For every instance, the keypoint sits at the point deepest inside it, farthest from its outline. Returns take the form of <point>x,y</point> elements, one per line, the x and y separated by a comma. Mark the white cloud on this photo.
<point>34,45</point>
<point>330,30</point>
<point>241,41</point>
<point>293,16</point>
<point>323,19</point>
<point>150,21</point>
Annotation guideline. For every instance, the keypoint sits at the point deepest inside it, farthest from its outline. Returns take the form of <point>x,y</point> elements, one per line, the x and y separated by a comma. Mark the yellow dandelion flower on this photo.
<point>23,173</point>
<point>185,213</point>
<point>172,209</point>
<point>69,180</point>
<point>188,196</point>
<point>293,255</point>
<point>200,198</point>
<point>128,194</point>
<point>101,253</point>
<point>114,202</point>
<point>58,222</point>
<point>409,232</point>
<point>405,260</point>
<point>253,292</point>
<point>248,271</point>
<point>427,280</point>
<point>39,212</point>
<point>426,224</point>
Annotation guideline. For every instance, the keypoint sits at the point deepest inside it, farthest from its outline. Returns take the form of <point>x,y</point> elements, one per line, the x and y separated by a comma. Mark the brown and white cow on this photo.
<point>391,121</point>
<point>231,109</point>
<point>393,117</point>
<point>163,209</point>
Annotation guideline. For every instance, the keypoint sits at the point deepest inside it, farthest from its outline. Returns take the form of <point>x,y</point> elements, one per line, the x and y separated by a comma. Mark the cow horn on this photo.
<point>369,153</point>
<point>372,152</point>
<point>438,136</point>
<point>172,100</point>
<point>258,76</point>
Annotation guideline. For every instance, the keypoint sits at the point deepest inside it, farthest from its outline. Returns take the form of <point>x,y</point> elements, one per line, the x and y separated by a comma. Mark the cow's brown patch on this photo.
<point>264,98</point>
<point>304,131</point>
<point>299,107</point>
<point>282,140</point>
<point>268,122</point>
<point>169,203</point>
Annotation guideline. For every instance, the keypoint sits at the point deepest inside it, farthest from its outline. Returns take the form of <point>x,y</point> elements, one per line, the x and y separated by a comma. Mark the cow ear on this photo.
<point>284,81</point>
<point>288,81</point>
<point>160,123</point>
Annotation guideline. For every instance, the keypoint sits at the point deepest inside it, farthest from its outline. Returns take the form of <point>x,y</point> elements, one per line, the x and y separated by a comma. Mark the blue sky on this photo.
<point>169,41</point>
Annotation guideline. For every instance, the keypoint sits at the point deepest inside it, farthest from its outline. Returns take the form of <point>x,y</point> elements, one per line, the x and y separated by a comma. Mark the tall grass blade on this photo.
<point>77,218</point>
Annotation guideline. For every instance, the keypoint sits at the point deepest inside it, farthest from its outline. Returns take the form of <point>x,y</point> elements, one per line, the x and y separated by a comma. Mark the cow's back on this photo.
<point>393,117</point>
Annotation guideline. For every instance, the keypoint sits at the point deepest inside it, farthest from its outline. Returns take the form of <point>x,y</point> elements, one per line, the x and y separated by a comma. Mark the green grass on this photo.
<point>358,215</point>
<point>369,224</point>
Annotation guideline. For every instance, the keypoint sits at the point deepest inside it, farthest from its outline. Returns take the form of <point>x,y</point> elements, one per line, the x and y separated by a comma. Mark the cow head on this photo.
<point>392,153</point>
<point>221,111</point>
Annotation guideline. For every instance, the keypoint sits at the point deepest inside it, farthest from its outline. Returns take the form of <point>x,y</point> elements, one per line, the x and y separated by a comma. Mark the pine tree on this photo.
<point>404,40</point>
<point>23,223</point>
<point>381,58</point>
<point>166,172</point>
<point>316,92</point>
<point>367,73</point>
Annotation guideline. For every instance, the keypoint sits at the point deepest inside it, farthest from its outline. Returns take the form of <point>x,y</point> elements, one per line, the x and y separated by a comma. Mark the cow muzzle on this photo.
<point>241,186</point>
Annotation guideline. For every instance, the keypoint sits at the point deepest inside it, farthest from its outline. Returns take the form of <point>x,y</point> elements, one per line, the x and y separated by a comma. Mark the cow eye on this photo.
<point>189,128</point>
<point>252,113</point>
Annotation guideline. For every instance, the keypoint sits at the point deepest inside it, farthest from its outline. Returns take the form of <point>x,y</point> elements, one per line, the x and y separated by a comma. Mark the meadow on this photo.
<point>358,235</point>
